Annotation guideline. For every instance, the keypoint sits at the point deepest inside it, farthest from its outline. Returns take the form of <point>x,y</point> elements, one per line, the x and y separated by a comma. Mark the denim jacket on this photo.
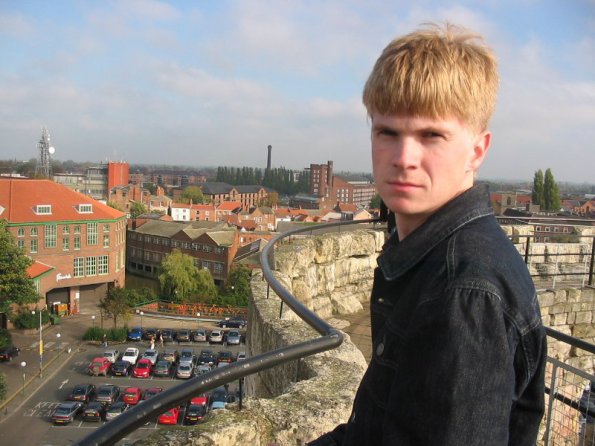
<point>458,344</point>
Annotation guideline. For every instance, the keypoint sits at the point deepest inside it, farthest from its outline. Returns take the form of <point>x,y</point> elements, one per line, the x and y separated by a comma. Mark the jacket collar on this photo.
<point>398,257</point>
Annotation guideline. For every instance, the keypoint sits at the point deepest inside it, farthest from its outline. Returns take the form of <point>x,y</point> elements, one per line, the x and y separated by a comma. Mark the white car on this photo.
<point>216,337</point>
<point>112,355</point>
<point>131,355</point>
<point>151,355</point>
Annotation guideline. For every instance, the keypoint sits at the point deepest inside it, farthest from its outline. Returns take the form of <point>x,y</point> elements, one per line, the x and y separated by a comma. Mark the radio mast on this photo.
<point>44,162</point>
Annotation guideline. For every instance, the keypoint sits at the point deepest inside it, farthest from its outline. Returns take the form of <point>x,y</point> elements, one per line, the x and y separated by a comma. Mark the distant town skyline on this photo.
<point>214,83</point>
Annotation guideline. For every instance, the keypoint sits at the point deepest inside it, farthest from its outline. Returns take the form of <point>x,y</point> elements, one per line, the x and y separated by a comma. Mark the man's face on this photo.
<point>420,164</point>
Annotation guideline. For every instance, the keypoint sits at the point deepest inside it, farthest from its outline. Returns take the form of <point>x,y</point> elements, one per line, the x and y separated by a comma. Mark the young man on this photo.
<point>458,345</point>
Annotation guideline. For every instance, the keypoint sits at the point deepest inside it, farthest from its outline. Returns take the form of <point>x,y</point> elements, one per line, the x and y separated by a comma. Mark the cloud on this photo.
<point>16,26</point>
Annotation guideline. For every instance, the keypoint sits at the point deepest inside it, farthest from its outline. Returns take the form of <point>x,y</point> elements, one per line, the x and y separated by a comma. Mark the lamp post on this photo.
<point>93,319</point>
<point>58,335</point>
<point>141,320</point>
<point>40,344</point>
<point>23,365</point>
<point>198,319</point>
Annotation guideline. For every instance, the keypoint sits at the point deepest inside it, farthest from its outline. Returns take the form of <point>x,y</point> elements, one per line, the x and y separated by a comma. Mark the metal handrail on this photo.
<point>129,421</point>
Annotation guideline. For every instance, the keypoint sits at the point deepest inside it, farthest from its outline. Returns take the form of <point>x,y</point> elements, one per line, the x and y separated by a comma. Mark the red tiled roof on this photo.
<point>37,269</point>
<point>229,206</point>
<point>19,198</point>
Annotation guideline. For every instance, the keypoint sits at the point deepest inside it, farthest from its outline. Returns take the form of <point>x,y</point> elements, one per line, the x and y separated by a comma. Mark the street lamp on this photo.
<point>141,320</point>
<point>23,365</point>
<point>93,319</point>
<point>198,318</point>
<point>58,335</point>
<point>40,345</point>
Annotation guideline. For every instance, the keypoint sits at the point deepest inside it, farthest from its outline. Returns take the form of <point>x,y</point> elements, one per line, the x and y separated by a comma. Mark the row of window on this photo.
<point>215,267</point>
<point>564,229</point>
<point>176,243</point>
<point>91,266</point>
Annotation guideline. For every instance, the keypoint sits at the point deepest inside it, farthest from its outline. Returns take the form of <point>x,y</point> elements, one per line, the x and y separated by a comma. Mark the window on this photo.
<point>218,250</point>
<point>103,266</point>
<point>91,266</point>
<point>174,244</point>
<point>207,248</point>
<point>43,209</point>
<point>33,232</point>
<point>77,229</point>
<point>77,243</point>
<point>206,265</point>
<point>21,232</point>
<point>91,233</point>
<point>79,266</point>
<point>106,241</point>
<point>85,208</point>
<point>147,239</point>
<point>218,268</point>
<point>65,244</point>
<point>106,228</point>
<point>50,236</point>
<point>21,244</point>
<point>34,245</point>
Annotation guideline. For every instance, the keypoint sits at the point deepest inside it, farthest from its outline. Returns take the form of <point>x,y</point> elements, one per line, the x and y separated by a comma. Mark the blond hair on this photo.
<point>435,72</point>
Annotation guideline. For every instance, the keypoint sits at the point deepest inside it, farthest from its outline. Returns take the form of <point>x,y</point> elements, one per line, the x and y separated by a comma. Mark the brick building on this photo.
<point>212,245</point>
<point>78,244</point>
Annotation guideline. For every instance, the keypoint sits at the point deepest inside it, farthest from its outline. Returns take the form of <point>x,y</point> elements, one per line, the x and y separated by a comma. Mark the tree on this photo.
<point>15,284</point>
<point>179,277</point>
<point>237,288</point>
<point>205,286</point>
<point>116,304</point>
<point>194,194</point>
<point>551,195</point>
<point>113,204</point>
<point>137,209</point>
<point>3,386</point>
<point>537,193</point>
<point>375,202</point>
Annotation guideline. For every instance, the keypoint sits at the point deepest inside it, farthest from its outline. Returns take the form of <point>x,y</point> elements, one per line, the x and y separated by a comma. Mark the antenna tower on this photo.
<point>44,163</point>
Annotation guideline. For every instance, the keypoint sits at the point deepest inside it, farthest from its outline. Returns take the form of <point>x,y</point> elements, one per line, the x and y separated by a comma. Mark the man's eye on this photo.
<point>432,135</point>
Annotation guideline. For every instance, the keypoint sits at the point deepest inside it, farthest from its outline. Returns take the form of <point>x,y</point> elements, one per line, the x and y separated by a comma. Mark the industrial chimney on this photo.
<point>269,157</point>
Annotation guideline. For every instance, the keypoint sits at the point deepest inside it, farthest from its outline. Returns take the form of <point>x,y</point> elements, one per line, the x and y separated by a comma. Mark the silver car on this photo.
<point>233,337</point>
<point>151,355</point>
<point>216,337</point>
<point>185,370</point>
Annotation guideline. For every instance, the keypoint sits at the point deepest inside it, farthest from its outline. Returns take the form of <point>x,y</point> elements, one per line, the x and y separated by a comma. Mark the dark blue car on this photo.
<point>135,334</point>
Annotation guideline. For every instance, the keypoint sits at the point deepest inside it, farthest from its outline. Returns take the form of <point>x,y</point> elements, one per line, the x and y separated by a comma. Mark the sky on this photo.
<point>213,83</point>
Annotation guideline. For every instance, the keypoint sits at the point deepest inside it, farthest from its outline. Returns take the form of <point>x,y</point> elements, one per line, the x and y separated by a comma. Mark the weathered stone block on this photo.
<point>546,299</point>
<point>583,317</point>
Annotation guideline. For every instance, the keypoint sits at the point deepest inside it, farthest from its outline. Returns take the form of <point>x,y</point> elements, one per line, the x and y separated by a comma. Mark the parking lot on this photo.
<point>34,417</point>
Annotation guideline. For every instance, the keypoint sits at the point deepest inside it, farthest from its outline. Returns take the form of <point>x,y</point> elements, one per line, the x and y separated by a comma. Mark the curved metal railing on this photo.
<point>132,419</point>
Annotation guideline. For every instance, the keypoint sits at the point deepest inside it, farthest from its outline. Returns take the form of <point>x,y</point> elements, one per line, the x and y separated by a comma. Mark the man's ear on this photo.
<point>480,150</point>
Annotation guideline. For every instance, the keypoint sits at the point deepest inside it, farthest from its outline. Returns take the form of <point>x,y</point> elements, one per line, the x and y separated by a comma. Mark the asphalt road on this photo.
<point>31,424</point>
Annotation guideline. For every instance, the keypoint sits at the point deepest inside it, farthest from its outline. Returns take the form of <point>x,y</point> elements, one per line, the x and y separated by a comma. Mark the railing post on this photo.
<point>592,263</point>
<point>527,246</point>
<point>550,406</point>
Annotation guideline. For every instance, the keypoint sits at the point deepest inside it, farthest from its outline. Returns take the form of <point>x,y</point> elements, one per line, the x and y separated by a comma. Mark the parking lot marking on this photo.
<point>63,383</point>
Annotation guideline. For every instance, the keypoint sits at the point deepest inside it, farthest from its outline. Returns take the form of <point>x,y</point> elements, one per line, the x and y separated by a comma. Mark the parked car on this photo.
<point>115,410</point>
<point>163,368</point>
<point>233,337</point>
<point>130,355</point>
<point>151,354</point>
<point>170,355</point>
<point>220,397</point>
<point>216,337</point>
<point>66,412</point>
<point>207,356</point>
<point>224,356</point>
<point>184,370</point>
<point>169,417</point>
<point>199,336</point>
<point>9,352</point>
<point>150,333</point>
<point>196,411</point>
<point>143,368</point>
<point>82,392</point>
<point>94,411</point>
<point>167,334</point>
<point>187,355</point>
<point>100,366</point>
<point>183,335</point>
<point>107,394</point>
<point>232,323</point>
<point>121,368</point>
<point>135,334</point>
<point>132,395</point>
<point>241,356</point>
<point>151,392</point>
<point>112,355</point>
<point>202,369</point>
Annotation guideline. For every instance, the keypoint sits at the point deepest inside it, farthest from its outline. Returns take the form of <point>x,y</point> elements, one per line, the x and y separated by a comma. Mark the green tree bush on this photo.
<point>179,278</point>
<point>26,320</point>
<point>116,304</point>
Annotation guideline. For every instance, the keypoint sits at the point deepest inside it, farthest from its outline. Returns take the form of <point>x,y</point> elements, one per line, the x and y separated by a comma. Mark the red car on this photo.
<point>132,395</point>
<point>143,368</point>
<point>169,417</point>
<point>151,392</point>
<point>100,366</point>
